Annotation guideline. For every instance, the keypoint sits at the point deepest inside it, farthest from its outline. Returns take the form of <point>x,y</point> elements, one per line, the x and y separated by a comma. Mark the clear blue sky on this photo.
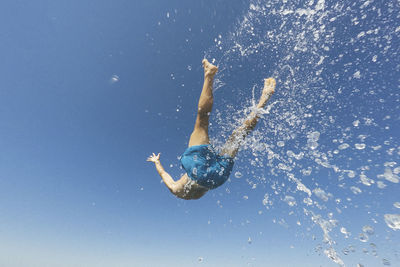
<point>89,89</point>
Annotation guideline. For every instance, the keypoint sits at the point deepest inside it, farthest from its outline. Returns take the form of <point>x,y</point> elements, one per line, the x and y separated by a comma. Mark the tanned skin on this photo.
<point>185,187</point>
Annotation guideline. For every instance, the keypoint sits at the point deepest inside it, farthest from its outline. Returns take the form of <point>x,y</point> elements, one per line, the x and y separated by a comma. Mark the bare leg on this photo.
<point>200,133</point>
<point>232,146</point>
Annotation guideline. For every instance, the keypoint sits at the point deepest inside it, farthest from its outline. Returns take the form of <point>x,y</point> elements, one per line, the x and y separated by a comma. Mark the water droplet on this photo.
<point>351,174</point>
<point>280,143</point>
<point>360,146</point>
<point>393,221</point>
<point>343,146</point>
<point>363,237</point>
<point>238,175</point>
<point>311,144</point>
<point>386,262</point>
<point>368,230</point>
<point>308,201</point>
<point>114,79</point>
<point>381,185</point>
<point>389,176</point>
<point>321,194</point>
<point>396,205</point>
<point>355,190</point>
<point>291,201</point>
<point>345,232</point>
<point>365,180</point>
<point>314,136</point>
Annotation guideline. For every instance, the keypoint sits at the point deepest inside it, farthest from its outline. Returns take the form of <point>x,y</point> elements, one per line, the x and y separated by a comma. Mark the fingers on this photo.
<point>154,157</point>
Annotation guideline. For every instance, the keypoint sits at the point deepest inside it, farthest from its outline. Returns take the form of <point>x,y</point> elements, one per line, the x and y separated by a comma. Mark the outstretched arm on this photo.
<point>169,182</point>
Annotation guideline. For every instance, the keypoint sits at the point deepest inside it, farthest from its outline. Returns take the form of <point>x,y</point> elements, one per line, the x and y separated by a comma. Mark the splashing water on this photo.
<point>393,221</point>
<point>331,128</point>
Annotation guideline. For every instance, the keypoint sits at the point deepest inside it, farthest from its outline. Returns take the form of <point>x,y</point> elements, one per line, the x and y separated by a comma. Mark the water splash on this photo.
<point>393,221</point>
<point>329,130</point>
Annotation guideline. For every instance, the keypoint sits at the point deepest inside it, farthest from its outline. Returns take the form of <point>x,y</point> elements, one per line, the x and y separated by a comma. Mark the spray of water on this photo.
<point>330,128</point>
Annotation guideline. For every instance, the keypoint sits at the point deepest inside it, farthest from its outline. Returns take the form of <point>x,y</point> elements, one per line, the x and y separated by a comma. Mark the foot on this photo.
<point>269,89</point>
<point>209,69</point>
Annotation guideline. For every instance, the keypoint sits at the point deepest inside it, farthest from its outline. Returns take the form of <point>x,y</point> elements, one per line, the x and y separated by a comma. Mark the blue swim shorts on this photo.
<point>205,166</point>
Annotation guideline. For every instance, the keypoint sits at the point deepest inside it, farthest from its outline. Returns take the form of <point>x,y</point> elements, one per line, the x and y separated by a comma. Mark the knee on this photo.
<point>249,126</point>
<point>251,123</point>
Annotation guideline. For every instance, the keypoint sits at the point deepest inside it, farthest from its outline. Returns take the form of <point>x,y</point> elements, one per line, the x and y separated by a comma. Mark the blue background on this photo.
<point>75,189</point>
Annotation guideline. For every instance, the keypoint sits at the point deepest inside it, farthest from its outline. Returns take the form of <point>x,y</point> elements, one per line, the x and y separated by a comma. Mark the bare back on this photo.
<point>189,189</point>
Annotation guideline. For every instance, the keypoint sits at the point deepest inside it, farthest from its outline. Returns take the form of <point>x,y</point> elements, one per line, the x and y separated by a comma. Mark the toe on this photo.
<point>270,82</point>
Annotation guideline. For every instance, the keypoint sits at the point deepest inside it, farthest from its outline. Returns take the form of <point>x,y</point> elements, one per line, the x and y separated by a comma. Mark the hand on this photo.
<point>154,158</point>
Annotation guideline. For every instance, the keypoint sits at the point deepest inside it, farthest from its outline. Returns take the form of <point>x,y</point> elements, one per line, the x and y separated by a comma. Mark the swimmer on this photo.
<point>205,168</point>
